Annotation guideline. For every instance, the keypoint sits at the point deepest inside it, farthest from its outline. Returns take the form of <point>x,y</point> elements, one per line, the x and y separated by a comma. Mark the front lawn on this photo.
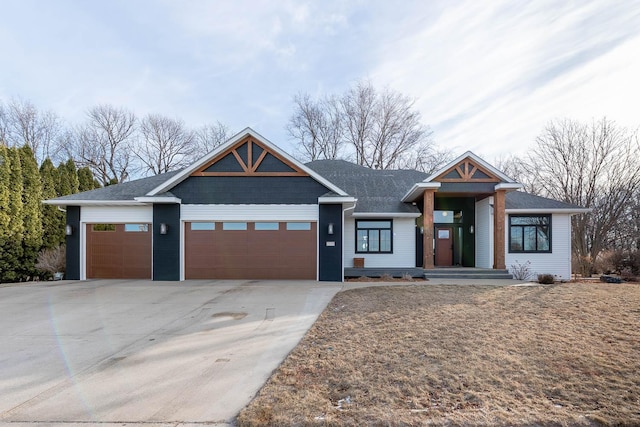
<point>564,354</point>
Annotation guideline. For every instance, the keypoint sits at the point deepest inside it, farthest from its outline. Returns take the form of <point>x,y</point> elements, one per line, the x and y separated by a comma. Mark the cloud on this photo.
<point>489,78</point>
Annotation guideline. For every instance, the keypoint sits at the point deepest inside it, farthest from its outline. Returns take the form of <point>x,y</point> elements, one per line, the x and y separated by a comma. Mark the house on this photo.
<point>248,210</point>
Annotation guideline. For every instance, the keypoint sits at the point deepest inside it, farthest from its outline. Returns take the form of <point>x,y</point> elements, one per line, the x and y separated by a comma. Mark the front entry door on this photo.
<point>444,246</point>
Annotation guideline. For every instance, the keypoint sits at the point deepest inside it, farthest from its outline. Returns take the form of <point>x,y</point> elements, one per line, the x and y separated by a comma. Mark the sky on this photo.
<point>487,76</point>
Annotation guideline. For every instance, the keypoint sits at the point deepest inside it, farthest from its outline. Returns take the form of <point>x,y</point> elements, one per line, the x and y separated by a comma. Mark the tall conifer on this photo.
<point>31,211</point>
<point>53,219</point>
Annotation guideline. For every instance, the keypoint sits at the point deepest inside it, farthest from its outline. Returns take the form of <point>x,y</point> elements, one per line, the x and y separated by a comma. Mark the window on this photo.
<point>203,226</point>
<point>103,227</point>
<point>298,226</point>
<point>263,226</point>
<point>234,225</point>
<point>136,228</point>
<point>374,236</point>
<point>447,217</point>
<point>530,233</point>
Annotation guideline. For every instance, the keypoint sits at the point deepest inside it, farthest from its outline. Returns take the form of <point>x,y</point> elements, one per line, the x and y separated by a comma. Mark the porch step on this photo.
<point>467,273</point>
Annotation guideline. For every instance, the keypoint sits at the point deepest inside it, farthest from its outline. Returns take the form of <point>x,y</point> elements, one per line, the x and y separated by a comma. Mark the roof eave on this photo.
<point>70,202</point>
<point>337,199</point>
<point>418,189</point>
<point>386,214</point>
<point>159,200</point>
<point>568,211</point>
<point>509,186</point>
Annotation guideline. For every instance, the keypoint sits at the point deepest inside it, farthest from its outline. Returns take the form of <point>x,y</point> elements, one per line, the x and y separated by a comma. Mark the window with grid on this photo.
<point>529,233</point>
<point>374,236</point>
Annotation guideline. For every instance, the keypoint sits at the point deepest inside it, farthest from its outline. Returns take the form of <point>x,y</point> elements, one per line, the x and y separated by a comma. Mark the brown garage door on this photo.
<point>118,251</point>
<point>253,250</point>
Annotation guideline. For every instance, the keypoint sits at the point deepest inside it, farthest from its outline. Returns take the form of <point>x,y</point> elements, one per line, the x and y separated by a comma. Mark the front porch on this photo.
<point>434,273</point>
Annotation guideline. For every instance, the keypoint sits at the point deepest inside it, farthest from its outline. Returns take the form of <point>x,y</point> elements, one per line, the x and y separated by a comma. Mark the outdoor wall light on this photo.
<point>164,228</point>
<point>471,229</point>
<point>68,230</point>
<point>330,228</point>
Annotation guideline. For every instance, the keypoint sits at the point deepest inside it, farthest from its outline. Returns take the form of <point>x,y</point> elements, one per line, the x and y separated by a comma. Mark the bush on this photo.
<point>52,260</point>
<point>620,261</point>
<point>628,275</point>
<point>521,271</point>
<point>546,279</point>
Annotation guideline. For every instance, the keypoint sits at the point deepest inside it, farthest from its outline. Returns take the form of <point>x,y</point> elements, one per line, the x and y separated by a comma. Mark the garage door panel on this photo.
<point>251,253</point>
<point>118,254</point>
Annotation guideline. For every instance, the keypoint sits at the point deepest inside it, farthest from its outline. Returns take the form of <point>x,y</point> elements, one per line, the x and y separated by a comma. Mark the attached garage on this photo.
<point>118,251</point>
<point>250,250</point>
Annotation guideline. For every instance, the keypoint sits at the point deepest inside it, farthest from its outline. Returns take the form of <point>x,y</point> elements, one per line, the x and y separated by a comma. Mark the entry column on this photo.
<point>427,215</point>
<point>499,230</point>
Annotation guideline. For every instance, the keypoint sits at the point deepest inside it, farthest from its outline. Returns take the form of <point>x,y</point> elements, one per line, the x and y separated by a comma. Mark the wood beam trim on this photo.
<point>260,159</point>
<point>499,245</point>
<point>239,159</point>
<point>427,232</point>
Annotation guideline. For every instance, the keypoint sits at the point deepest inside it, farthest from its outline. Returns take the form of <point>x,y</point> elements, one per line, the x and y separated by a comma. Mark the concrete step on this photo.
<point>467,273</point>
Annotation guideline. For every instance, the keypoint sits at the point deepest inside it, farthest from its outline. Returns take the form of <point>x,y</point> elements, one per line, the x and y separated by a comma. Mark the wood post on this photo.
<point>427,215</point>
<point>499,230</point>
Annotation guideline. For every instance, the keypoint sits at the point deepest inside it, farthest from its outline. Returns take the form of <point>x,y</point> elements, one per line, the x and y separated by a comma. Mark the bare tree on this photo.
<point>396,131</point>
<point>208,137</point>
<point>359,107</point>
<point>4,124</point>
<point>166,144</point>
<point>380,130</point>
<point>104,143</point>
<point>592,165</point>
<point>21,123</point>
<point>318,127</point>
<point>520,170</point>
<point>428,158</point>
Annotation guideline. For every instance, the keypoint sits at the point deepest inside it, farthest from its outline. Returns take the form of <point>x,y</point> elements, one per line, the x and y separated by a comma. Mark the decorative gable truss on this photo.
<point>467,171</point>
<point>249,157</point>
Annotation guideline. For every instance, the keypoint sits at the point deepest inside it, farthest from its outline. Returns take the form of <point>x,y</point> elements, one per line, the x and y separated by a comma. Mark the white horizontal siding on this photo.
<point>404,246</point>
<point>249,212</point>
<point>483,231</point>
<point>116,214</point>
<point>558,262</point>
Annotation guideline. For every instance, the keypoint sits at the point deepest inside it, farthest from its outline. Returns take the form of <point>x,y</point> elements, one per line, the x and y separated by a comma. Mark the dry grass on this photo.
<point>463,355</point>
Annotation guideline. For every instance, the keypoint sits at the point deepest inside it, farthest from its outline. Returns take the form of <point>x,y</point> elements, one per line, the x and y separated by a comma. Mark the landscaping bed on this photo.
<point>463,355</point>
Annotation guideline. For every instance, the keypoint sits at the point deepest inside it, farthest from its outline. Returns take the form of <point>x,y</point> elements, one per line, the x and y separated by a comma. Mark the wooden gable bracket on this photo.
<point>249,168</point>
<point>467,169</point>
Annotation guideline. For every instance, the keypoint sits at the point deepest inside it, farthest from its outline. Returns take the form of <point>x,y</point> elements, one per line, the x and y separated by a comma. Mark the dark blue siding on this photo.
<point>73,244</point>
<point>249,190</point>
<point>228,163</point>
<point>330,257</point>
<point>166,247</point>
<point>271,163</point>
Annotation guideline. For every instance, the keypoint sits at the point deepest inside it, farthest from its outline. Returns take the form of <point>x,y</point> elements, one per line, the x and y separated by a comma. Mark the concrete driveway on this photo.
<point>158,353</point>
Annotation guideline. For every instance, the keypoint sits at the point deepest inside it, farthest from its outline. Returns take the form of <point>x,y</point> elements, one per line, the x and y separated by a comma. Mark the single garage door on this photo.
<point>118,251</point>
<point>250,250</point>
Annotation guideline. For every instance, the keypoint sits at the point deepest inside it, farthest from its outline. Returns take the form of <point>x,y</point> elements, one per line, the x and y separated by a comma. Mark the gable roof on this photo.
<point>488,169</point>
<point>227,148</point>
<point>377,191</point>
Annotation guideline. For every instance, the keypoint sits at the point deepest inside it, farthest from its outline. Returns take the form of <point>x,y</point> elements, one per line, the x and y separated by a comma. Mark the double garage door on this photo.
<point>213,250</point>
<point>250,250</point>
